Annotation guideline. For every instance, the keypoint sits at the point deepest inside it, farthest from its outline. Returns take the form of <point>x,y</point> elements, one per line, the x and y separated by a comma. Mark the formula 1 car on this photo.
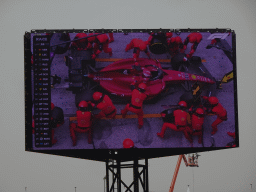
<point>117,77</point>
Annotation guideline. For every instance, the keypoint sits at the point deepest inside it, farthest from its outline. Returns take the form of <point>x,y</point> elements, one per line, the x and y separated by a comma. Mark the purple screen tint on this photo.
<point>176,65</point>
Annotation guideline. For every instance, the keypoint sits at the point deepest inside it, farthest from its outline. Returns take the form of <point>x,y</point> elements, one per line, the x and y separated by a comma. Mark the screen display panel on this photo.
<point>116,90</point>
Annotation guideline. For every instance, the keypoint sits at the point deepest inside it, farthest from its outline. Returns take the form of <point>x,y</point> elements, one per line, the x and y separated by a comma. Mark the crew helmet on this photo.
<point>128,143</point>
<point>182,104</point>
<point>97,96</point>
<point>199,111</point>
<point>142,86</point>
<point>213,100</point>
<point>83,104</point>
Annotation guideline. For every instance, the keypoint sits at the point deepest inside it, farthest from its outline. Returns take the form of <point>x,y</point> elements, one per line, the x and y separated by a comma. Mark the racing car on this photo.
<point>117,77</point>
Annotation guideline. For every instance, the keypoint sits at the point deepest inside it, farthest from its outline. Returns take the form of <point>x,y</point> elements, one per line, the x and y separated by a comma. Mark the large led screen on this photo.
<point>125,89</point>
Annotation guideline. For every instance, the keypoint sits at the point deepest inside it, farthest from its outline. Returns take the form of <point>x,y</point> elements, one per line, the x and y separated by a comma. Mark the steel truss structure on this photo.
<point>114,166</point>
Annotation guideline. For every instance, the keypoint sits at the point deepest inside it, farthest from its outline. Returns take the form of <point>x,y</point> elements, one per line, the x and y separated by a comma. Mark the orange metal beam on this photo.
<point>177,170</point>
<point>127,117</point>
<point>185,160</point>
<point>175,173</point>
<point>131,117</point>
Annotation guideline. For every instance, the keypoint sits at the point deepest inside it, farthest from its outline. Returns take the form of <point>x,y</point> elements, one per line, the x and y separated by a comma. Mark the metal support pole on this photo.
<point>136,175</point>
<point>104,184</point>
<point>142,181</point>
<point>113,183</point>
<point>146,179</point>
<point>113,177</point>
<point>107,175</point>
<point>118,176</point>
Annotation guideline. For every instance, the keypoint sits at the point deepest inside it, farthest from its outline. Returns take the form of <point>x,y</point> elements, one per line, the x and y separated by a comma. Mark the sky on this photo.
<point>229,170</point>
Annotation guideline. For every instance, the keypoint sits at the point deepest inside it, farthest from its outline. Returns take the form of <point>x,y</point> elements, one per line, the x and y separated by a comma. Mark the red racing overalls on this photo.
<point>180,124</point>
<point>194,38</point>
<point>221,116</point>
<point>232,134</point>
<point>84,123</point>
<point>101,43</point>
<point>81,44</point>
<point>138,45</point>
<point>234,137</point>
<point>136,106</point>
<point>111,37</point>
<point>107,108</point>
<point>175,44</point>
<point>197,125</point>
<point>91,41</point>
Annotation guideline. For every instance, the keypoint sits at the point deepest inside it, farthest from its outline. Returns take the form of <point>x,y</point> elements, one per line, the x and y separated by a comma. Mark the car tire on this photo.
<point>177,61</point>
<point>58,38</point>
<point>188,98</point>
<point>84,95</point>
<point>196,60</point>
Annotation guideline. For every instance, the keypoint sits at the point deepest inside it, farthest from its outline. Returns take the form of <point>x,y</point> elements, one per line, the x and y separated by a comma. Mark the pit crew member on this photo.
<point>233,143</point>
<point>90,41</point>
<point>232,134</point>
<point>175,45</point>
<point>81,44</point>
<point>137,45</point>
<point>138,96</point>
<point>177,121</point>
<point>84,123</point>
<point>194,38</point>
<point>103,103</point>
<point>101,43</point>
<point>217,109</point>
<point>111,37</point>
<point>197,121</point>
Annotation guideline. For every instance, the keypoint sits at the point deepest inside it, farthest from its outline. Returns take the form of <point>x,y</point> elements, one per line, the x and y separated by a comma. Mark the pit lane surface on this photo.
<point>111,133</point>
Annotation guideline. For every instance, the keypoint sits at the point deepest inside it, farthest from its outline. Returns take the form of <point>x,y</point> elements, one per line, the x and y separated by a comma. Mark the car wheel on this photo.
<point>177,61</point>
<point>84,95</point>
<point>79,64</point>
<point>59,38</point>
<point>188,98</point>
